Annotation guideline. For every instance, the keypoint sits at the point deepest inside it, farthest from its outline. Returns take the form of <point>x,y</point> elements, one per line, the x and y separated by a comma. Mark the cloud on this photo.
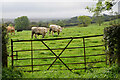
<point>50,0</point>
<point>45,9</point>
<point>0,10</point>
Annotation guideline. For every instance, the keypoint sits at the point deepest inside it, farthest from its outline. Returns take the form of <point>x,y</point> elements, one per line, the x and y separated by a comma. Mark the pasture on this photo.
<point>76,31</point>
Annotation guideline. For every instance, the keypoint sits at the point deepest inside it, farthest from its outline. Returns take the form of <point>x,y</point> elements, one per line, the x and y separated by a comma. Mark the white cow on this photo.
<point>39,31</point>
<point>55,28</point>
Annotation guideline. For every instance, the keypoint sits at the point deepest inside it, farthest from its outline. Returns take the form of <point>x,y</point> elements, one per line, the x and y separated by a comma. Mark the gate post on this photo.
<point>12,51</point>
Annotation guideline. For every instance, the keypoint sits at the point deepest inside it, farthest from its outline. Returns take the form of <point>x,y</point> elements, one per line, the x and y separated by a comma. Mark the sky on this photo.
<point>45,8</point>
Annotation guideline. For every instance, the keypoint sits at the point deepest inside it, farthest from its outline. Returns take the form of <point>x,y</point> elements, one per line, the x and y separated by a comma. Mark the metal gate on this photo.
<point>14,53</point>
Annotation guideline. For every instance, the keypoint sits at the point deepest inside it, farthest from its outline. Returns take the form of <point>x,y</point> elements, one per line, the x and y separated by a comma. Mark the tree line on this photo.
<point>23,23</point>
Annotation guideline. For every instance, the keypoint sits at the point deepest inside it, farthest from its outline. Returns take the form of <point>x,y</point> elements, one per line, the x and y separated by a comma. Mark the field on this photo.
<point>76,31</point>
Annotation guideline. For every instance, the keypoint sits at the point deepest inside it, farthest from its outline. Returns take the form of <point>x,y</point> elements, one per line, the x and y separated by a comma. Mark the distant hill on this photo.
<point>66,22</point>
<point>34,19</point>
<point>7,20</point>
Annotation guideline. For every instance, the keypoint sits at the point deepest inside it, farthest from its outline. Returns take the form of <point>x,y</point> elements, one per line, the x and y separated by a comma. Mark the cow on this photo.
<point>39,31</point>
<point>10,29</point>
<point>55,28</point>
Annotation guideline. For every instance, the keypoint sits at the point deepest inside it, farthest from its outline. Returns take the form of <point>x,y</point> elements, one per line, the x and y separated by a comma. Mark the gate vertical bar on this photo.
<point>32,56</point>
<point>12,51</point>
<point>16,55</point>
<point>84,53</point>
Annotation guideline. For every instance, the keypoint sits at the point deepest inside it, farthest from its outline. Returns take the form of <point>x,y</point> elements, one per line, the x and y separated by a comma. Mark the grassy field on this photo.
<point>92,29</point>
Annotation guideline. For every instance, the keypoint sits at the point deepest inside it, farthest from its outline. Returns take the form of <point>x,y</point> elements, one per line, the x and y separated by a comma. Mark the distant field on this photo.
<point>67,32</point>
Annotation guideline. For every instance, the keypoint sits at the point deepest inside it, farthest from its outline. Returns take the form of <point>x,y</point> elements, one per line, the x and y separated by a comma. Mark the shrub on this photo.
<point>83,25</point>
<point>22,23</point>
<point>112,39</point>
<point>112,72</point>
<point>84,20</point>
<point>11,73</point>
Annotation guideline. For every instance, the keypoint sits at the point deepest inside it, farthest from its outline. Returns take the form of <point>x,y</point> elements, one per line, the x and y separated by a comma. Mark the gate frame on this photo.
<point>56,57</point>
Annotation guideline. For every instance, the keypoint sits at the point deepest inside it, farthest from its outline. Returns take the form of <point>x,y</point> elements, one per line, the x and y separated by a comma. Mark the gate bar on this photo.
<point>12,51</point>
<point>16,54</point>
<point>32,56</point>
<point>84,53</point>
<point>58,48</point>
<point>56,55</point>
<point>60,54</point>
<point>58,38</point>
<point>60,57</point>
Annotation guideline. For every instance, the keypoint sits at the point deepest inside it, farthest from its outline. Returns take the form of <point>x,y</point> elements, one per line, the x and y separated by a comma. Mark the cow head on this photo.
<point>60,28</point>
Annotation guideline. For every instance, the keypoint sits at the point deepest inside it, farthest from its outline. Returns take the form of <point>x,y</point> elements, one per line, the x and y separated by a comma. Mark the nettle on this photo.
<point>112,40</point>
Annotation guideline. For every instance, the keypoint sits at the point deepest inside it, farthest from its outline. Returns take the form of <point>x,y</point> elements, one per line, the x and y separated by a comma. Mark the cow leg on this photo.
<point>14,32</point>
<point>32,35</point>
<point>43,35</point>
<point>35,36</point>
<point>58,33</point>
<point>52,33</point>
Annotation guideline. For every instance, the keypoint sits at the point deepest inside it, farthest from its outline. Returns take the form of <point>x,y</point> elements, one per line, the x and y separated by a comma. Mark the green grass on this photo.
<point>67,32</point>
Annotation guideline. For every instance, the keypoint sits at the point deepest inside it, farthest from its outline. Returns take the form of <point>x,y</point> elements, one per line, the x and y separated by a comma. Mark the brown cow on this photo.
<point>10,29</point>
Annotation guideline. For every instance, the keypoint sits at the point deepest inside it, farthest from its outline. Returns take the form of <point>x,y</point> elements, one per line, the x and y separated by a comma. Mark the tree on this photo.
<point>117,17</point>
<point>85,20</point>
<point>33,24</point>
<point>21,23</point>
<point>61,23</point>
<point>4,45</point>
<point>100,7</point>
<point>8,23</point>
<point>42,24</point>
<point>112,39</point>
<point>97,11</point>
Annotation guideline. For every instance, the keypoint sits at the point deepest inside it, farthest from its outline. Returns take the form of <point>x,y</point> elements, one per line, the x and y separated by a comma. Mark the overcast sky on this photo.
<point>45,8</point>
